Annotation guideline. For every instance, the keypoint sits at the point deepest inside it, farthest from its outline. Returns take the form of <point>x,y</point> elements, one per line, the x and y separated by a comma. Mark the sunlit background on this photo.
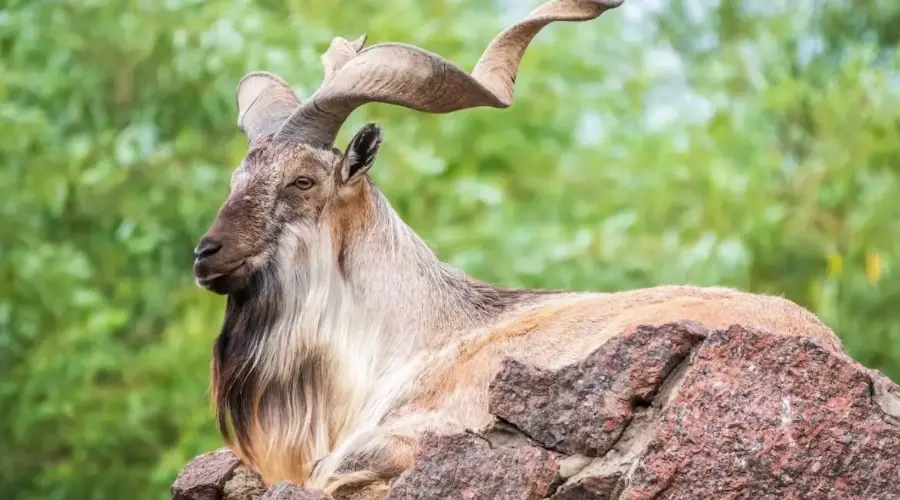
<point>749,144</point>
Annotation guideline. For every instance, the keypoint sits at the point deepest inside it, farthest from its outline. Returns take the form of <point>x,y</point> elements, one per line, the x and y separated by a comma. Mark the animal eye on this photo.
<point>303,183</point>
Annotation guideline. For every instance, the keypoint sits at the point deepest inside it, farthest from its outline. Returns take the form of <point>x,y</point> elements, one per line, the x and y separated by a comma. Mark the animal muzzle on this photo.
<point>217,267</point>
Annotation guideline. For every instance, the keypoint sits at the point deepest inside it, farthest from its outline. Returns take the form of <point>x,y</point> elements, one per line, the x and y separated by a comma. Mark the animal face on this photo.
<point>282,195</point>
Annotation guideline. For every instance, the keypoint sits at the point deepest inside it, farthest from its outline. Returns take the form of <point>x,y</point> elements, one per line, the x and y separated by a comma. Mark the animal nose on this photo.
<point>207,248</point>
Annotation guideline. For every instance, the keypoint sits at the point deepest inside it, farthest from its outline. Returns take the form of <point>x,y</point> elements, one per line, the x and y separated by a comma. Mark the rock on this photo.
<point>583,408</point>
<point>465,466</point>
<point>887,395</point>
<point>245,484</point>
<point>204,477</point>
<point>502,434</point>
<point>289,491</point>
<point>770,417</point>
<point>361,491</point>
<point>599,478</point>
<point>670,412</point>
<point>572,465</point>
<point>589,488</point>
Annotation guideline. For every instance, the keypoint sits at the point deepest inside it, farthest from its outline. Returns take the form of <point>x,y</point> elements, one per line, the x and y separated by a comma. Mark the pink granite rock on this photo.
<point>466,466</point>
<point>583,408</point>
<point>765,416</point>
<point>204,477</point>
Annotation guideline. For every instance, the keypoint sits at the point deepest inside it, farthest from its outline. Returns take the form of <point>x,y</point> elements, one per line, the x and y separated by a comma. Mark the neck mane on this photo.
<point>324,340</point>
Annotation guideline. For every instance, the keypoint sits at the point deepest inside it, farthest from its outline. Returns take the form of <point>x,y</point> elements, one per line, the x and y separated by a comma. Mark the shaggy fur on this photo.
<point>345,337</point>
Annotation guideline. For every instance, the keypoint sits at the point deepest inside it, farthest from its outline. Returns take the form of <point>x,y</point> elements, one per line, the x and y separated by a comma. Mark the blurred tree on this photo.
<point>697,142</point>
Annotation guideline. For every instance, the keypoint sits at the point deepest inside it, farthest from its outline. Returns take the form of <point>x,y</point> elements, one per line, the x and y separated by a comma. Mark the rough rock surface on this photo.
<point>589,488</point>
<point>204,477</point>
<point>583,408</point>
<point>287,491</point>
<point>244,485</point>
<point>669,412</point>
<point>468,466</point>
<point>759,416</point>
<point>219,475</point>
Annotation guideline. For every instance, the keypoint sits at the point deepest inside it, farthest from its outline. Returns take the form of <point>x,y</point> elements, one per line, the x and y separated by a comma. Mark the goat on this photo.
<point>344,336</point>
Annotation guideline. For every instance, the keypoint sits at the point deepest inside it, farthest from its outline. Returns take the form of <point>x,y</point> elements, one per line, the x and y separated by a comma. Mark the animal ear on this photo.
<point>361,153</point>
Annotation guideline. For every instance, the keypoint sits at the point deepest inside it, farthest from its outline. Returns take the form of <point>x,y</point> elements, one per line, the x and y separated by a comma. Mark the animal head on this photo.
<point>294,188</point>
<point>284,195</point>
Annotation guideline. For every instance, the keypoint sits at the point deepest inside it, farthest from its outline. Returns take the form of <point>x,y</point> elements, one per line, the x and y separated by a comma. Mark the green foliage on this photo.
<point>726,144</point>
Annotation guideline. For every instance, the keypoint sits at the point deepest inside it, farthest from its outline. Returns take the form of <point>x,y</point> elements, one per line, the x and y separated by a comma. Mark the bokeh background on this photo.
<point>740,143</point>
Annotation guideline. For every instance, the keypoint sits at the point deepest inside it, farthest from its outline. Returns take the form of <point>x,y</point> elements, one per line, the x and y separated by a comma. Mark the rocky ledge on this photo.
<point>669,412</point>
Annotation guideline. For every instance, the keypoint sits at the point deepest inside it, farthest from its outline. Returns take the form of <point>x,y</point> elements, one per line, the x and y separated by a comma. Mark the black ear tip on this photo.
<point>371,128</point>
<point>361,152</point>
<point>368,137</point>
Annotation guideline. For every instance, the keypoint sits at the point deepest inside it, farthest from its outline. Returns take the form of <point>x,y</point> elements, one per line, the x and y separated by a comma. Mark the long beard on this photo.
<point>292,363</point>
<point>250,314</point>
